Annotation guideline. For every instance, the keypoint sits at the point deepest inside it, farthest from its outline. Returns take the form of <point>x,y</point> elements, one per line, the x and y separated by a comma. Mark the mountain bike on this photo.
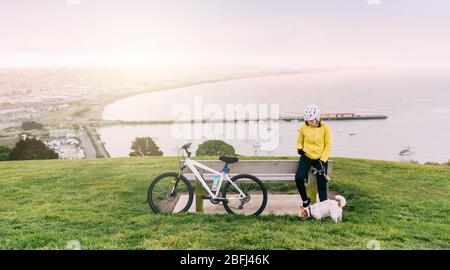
<point>171,192</point>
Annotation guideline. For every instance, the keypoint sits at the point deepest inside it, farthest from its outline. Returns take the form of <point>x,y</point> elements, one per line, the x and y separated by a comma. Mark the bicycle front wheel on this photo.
<point>170,193</point>
<point>255,200</point>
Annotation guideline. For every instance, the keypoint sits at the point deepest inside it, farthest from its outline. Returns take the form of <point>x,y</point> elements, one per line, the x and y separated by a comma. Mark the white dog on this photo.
<point>328,208</point>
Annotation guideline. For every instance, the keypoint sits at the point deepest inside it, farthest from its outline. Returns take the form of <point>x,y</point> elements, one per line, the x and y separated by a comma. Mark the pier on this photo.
<point>338,116</point>
<point>283,118</point>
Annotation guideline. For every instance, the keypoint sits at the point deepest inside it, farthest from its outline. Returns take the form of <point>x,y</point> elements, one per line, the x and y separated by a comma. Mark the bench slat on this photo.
<point>262,177</point>
<point>266,170</point>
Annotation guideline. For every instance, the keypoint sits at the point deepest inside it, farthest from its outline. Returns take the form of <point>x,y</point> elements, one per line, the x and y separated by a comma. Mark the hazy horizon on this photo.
<point>299,34</point>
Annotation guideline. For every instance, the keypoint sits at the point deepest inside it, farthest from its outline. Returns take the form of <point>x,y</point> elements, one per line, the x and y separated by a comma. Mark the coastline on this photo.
<point>98,111</point>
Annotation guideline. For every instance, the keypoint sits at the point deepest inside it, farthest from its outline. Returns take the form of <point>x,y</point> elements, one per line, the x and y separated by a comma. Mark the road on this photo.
<point>97,142</point>
<point>86,143</point>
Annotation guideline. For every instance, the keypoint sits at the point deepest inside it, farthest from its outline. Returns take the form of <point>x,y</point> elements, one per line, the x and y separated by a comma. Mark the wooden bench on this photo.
<point>268,171</point>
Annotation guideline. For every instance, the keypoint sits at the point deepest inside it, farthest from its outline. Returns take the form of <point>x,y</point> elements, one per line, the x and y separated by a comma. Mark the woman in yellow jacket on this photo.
<point>314,146</point>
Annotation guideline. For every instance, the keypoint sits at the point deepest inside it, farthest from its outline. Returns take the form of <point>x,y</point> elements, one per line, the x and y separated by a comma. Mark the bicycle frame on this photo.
<point>224,175</point>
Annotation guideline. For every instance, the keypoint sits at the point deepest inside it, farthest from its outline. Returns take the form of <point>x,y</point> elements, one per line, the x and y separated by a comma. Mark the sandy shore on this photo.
<point>97,112</point>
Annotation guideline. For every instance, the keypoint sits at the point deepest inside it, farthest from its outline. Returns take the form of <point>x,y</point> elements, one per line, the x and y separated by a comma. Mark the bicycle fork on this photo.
<point>173,192</point>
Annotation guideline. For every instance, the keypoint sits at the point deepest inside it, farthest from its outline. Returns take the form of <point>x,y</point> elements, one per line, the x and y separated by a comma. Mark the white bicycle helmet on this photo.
<point>312,112</point>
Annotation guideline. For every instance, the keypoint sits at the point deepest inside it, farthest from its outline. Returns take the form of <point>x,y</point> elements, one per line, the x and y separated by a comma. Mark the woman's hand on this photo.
<point>322,164</point>
<point>301,152</point>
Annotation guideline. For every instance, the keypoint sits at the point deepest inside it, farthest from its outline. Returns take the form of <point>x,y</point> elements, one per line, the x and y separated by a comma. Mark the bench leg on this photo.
<point>199,192</point>
<point>312,187</point>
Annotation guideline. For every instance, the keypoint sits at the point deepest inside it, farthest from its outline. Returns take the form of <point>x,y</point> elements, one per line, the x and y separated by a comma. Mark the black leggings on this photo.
<point>301,175</point>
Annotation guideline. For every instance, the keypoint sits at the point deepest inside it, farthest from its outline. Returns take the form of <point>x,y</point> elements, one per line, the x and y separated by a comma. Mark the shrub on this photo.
<point>5,151</point>
<point>32,149</point>
<point>144,147</point>
<point>215,148</point>
<point>29,125</point>
<point>432,163</point>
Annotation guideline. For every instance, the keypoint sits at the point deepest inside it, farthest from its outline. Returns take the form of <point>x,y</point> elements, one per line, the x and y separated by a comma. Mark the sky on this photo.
<point>275,33</point>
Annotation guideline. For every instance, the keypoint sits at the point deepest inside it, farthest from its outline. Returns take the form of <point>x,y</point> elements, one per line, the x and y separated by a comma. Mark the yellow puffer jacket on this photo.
<point>315,141</point>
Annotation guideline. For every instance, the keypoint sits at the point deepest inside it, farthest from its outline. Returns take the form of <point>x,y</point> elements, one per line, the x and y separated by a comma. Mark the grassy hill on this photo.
<point>102,204</point>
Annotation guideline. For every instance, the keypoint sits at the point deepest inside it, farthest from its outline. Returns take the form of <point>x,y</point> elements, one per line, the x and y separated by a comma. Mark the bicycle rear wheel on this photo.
<point>253,188</point>
<point>169,193</point>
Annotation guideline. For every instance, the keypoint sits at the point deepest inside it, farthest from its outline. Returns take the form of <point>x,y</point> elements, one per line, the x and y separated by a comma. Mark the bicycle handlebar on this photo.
<point>186,148</point>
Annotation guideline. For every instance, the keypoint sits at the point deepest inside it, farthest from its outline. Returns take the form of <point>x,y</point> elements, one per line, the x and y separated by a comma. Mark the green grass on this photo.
<point>102,204</point>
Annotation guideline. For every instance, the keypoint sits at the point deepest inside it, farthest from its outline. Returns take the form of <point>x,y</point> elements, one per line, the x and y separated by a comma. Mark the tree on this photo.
<point>29,125</point>
<point>215,148</point>
<point>5,151</point>
<point>32,149</point>
<point>144,146</point>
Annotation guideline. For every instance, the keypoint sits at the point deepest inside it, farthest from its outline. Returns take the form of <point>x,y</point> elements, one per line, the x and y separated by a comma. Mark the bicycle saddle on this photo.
<point>228,159</point>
